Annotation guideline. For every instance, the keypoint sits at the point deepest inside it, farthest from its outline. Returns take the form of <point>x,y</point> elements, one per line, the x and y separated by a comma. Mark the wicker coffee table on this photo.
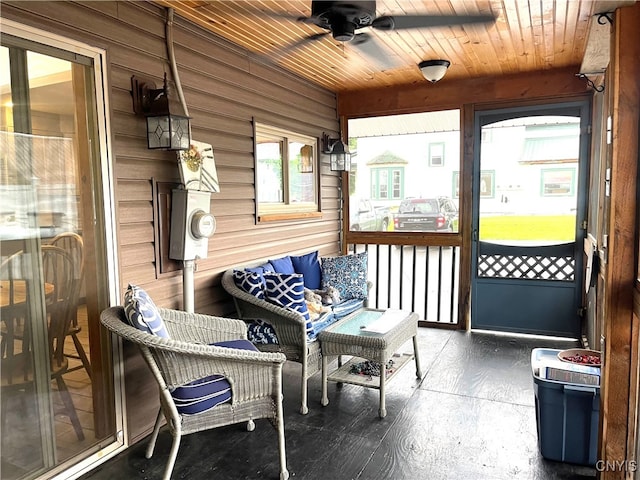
<point>367,334</point>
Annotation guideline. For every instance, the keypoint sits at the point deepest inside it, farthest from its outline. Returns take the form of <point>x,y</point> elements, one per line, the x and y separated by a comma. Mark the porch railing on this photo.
<point>422,279</point>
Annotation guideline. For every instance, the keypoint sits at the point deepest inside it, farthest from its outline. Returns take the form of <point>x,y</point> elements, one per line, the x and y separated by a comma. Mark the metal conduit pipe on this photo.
<point>189,266</point>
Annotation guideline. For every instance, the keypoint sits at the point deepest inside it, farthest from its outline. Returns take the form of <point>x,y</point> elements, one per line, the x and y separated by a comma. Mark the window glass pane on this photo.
<point>270,178</point>
<point>301,184</point>
<point>384,185</point>
<point>286,171</point>
<point>396,184</point>
<point>410,161</point>
<point>436,154</point>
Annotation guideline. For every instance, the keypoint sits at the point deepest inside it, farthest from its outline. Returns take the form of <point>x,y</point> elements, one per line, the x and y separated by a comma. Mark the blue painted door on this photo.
<point>530,171</point>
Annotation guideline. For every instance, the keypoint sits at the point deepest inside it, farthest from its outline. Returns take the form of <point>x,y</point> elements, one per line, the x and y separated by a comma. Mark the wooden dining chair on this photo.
<point>17,364</point>
<point>72,243</point>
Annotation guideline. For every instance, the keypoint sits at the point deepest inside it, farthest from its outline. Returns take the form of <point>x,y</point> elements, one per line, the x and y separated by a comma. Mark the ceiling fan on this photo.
<point>344,18</point>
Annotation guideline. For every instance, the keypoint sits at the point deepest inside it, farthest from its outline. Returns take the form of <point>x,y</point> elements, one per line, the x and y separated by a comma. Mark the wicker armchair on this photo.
<point>289,327</point>
<point>255,377</point>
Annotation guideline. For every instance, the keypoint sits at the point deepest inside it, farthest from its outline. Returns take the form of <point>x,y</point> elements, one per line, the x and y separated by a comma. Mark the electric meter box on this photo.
<point>191,224</point>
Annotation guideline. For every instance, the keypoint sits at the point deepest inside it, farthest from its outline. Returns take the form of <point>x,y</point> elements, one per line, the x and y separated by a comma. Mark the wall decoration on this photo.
<point>198,168</point>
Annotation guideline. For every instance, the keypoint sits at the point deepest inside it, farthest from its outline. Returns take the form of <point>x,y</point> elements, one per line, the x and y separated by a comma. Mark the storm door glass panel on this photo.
<point>528,181</point>
<point>56,399</point>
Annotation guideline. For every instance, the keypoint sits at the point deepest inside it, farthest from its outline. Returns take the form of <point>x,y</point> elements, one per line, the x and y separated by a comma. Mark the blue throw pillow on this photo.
<point>347,273</point>
<point>142,313</point>
<point>250,282</point>
<point>287,291</point>
<point>265,267</point>
<point>204,394</point>
<point>282,265</point>
<point>309,267</point>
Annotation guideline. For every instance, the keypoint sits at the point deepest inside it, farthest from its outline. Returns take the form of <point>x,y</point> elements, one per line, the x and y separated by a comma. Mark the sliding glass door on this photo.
<point>57,390</point>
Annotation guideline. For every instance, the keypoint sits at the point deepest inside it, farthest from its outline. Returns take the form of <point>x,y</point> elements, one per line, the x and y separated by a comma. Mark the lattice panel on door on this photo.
<point>532,267</point>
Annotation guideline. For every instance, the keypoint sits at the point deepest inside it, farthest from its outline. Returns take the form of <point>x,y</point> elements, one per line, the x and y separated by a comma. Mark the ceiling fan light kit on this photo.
<point>434,70</point>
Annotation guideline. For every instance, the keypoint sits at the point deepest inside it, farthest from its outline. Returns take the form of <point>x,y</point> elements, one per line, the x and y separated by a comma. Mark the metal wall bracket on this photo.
<point>605,17</point>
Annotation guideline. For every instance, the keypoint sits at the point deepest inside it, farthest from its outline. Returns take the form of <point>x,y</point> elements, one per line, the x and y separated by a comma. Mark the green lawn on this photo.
<point>518,227</point>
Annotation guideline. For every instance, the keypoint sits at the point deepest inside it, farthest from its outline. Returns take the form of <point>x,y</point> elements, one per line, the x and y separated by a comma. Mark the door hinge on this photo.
<point>582,311</point>
<point>589,129</point>
<point>584,224</point>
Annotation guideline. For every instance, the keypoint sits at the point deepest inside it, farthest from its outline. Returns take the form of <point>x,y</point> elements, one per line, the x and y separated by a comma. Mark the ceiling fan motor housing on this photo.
<point>343,18</point>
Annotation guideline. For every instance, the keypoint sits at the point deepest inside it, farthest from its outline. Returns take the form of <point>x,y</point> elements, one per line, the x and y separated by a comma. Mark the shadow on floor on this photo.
<point>471,417</point>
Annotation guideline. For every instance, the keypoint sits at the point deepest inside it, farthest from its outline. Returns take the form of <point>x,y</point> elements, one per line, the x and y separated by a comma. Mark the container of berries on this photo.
<point>581,356</point>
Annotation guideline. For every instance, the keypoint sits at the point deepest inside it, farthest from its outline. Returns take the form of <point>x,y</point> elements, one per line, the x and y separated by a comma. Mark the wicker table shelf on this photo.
<point>349,337</point>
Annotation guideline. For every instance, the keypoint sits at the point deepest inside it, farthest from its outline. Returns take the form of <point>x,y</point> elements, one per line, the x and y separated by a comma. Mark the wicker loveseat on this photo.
<point>290,326</point>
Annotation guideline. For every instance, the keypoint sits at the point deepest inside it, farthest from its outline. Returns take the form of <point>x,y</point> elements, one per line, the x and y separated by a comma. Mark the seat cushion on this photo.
<point>206,393</point>
<point>348,306</point>
<point>347,273</point>
<point>309,267</point>
<point>142,313</point>
<point>250,282</point>
<point>321,323</point>
<point>287,291</point>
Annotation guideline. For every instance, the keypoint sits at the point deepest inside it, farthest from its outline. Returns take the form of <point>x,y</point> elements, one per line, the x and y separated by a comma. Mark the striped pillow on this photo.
<point>206,393</point>
<point>142,313</point>
<point>287,290</point>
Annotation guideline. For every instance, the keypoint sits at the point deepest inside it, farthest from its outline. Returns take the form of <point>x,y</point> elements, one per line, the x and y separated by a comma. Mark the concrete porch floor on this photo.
<point>471,417</point>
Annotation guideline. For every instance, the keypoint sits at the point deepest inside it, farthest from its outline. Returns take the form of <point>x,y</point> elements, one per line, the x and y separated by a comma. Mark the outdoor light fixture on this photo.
<point>339,156</point>
<point>434,70</point>
<point>165,130</point>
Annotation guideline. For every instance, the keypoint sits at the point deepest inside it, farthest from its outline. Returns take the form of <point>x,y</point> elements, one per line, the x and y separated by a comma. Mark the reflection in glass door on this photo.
<point>55,399</point>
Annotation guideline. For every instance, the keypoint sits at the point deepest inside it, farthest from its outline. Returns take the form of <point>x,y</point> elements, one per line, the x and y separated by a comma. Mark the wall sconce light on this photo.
<point>165,130</point>
<point>434,70</point>
<point>339,156</point>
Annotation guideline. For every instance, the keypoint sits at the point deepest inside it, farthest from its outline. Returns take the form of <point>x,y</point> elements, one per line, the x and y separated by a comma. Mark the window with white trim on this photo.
<point>436,154</point>
<point>286,171</point>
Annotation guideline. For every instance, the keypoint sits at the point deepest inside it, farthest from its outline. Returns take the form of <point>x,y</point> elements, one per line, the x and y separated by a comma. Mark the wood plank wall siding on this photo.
<point>225,88</point>
<point>620,376</point>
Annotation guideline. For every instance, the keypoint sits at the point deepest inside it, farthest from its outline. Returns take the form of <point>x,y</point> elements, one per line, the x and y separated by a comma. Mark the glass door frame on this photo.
<point>108,241</point>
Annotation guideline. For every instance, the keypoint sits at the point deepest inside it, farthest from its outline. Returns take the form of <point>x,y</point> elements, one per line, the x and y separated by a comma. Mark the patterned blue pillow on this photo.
<point>250,282</point>
<point>261,332</point>
<point>142,313</point>
<point>204,394</point>
<point>347,273</point>
<point>287,290</point>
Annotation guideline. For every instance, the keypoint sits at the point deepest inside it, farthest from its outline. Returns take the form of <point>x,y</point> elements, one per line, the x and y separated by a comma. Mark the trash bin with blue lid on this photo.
<point>567,399</point>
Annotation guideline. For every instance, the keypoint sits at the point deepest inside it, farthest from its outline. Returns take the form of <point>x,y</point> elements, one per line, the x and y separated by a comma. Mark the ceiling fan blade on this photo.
<point>389,22</point>
<point>287,49</point>
<point>374,51</point>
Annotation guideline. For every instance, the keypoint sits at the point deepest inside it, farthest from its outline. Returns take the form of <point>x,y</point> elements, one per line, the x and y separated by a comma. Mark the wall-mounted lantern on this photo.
<point>165,130</point>
<point>339,155</point>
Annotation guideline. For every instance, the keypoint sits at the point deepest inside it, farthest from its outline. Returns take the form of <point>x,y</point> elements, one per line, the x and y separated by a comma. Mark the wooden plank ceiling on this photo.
<point>526,36</point>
